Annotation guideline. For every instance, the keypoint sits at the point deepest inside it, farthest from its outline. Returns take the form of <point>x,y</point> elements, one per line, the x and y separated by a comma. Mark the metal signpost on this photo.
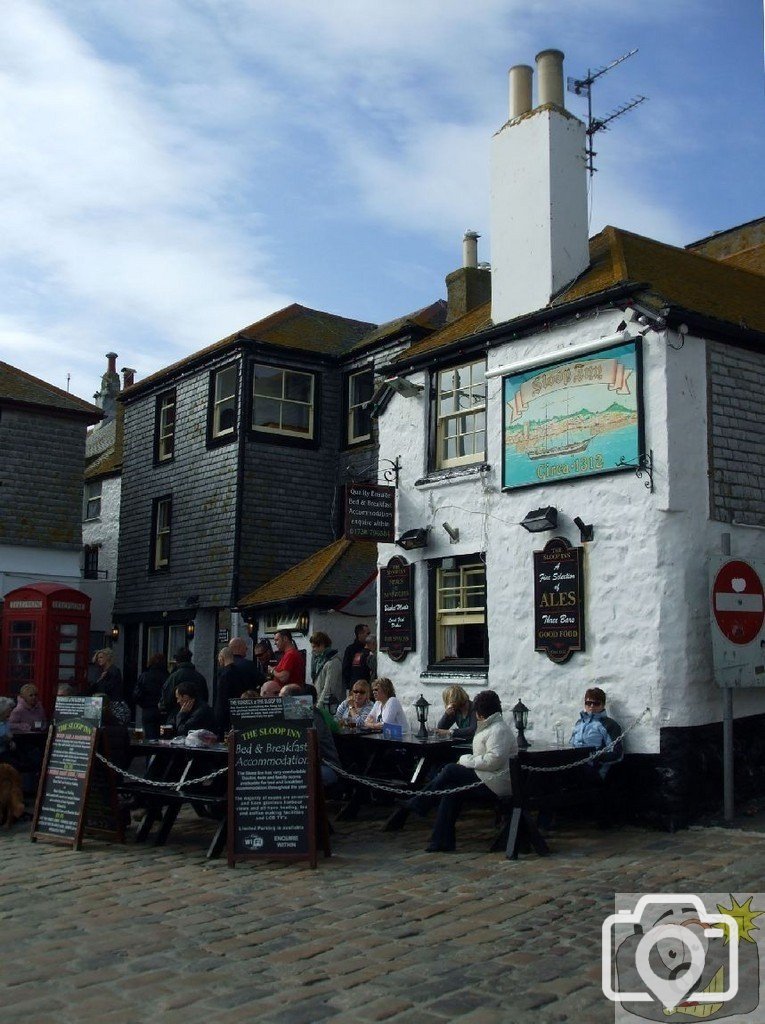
<point>737,607</point>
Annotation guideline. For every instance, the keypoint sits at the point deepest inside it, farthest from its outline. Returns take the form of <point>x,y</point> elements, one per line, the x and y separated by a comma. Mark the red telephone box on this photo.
<point>46,631</point>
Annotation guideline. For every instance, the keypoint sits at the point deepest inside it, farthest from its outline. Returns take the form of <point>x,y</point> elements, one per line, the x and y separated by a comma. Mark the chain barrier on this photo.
<point>595,755</point>
<point>157,783</point>
<point>384,787</point>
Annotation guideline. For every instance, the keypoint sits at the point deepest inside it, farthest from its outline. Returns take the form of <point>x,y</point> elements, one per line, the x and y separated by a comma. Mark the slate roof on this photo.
<point>327,577</point>
<point>668,275</point>
<point>104,447</point>
<point>295,327</point>
<point>19,388</point>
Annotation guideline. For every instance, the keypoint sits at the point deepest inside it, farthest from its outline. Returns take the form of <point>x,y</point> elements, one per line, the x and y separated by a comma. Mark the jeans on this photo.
<point>443,836</point>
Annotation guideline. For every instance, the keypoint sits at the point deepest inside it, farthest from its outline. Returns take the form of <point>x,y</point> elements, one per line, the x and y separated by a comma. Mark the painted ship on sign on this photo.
<point>572,448</point>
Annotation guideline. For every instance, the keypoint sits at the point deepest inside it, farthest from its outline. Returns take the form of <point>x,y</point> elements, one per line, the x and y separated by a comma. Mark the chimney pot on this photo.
<point>128,377</point>
<point>520,89</point>
<point>112,361</point>
<point>550,77</point>
<point>470,249</point>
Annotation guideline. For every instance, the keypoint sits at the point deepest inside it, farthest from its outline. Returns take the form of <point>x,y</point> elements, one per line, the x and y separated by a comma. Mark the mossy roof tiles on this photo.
<point>21,388</point>
<point>332,573</point>
<point>714,288</point>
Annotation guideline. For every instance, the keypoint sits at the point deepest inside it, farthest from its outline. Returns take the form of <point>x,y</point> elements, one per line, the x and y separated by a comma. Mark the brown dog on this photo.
<point>11,795</point>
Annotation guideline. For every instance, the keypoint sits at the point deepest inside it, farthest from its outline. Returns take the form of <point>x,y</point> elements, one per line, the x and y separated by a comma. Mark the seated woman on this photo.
<point>193,713</point>
<point>493,745</point>
<point>357,707</point>
<point>387,708</point>
<point>459,717</point>
<point>6,706</point>
<point>28,715</point>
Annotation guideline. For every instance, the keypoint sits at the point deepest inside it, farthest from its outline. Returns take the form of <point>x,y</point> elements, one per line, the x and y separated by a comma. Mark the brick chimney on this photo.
<point>470,286</point>
<point>538,194</point>
<point>128,377</point>
<point>106,398</point>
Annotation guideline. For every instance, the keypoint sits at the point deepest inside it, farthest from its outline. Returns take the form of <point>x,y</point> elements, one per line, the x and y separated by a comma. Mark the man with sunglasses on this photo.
<point>595,729</point>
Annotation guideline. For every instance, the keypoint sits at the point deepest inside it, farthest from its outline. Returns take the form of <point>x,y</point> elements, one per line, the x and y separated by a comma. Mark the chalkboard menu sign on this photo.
<point>64,779</point>
<point>397,608</point>
<point>370,512</point>
<point>273,780</point>
<point>559,600</point>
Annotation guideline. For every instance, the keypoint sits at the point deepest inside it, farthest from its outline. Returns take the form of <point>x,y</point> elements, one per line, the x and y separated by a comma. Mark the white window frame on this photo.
<point>166,428</point>
<point>354,407</point>
<point>163,513</point>
<point>224,401</point>
<point>465,580</point>
<point>283,401</point>
<point>91,504</point>
<point>465,423</point>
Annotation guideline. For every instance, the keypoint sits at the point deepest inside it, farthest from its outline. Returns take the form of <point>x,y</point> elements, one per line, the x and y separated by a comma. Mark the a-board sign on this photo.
<point>273,780</point>
<point>397,608</point>
<point>59,814</point>
<point>370,512</point>
<point>101,808</point>
<point>558,600</point>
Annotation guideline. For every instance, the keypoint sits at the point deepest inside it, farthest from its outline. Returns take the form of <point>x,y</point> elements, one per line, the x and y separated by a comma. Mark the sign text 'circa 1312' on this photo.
<point>558,600</point>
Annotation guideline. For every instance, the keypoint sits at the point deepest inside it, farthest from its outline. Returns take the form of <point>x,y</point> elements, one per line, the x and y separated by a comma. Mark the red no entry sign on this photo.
<point>738,602</point>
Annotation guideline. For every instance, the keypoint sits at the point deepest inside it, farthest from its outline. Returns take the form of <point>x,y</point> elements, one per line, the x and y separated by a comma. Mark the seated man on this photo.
<point>193,713</point>
<point>489,763</point>
<point>595,729</point>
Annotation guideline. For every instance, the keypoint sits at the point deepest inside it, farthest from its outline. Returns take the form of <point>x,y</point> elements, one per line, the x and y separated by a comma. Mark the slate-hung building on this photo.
<point>233,466</point>
<point>618,382</point>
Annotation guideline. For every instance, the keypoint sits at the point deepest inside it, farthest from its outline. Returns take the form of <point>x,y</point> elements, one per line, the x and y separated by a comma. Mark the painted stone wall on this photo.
<point>647,611</point>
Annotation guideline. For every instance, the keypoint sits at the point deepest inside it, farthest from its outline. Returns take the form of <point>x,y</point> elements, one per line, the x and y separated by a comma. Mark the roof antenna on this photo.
<point>68,378</point>
<point>583,87</point>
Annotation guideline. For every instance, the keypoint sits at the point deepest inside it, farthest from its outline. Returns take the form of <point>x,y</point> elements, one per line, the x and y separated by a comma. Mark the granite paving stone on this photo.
<point>380,931</point>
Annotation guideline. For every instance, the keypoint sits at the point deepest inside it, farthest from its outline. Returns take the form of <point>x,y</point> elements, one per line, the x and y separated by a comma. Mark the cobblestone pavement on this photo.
<point>380,932</point>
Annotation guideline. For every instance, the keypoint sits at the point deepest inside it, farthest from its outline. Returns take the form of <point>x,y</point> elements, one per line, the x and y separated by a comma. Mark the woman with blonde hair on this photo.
<point>387,709</point>
<point>459,716</point>
<point>357,707</point>
<point>110,679</point>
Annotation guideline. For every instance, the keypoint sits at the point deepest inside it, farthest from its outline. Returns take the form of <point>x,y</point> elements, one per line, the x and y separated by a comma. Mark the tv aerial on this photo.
<point>583,87</point>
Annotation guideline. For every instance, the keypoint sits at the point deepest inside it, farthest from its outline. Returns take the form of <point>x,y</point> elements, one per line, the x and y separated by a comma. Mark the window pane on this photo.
<point>267,380</point>
<point>298,387</point>
<point>225,383</point>
<point>296,418</point>
<point>266,413</point>
<point>361,385</point>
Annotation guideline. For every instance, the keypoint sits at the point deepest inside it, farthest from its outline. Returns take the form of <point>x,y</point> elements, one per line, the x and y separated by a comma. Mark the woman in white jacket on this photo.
<point>489,763</point>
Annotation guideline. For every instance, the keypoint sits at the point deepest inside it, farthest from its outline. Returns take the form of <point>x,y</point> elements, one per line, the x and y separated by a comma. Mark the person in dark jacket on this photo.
<point>355,657</point>
<point>184,673</point>
<point>147,694</point>
<point>110,678</point>
<point>193,713</point>
<point>248,673</point>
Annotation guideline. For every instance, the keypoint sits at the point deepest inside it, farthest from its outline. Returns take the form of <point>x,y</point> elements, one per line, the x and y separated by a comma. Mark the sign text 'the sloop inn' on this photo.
<point>559,600</point>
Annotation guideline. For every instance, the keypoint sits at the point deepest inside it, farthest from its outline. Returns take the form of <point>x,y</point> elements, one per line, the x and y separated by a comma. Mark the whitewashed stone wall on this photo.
<point>647,610</point>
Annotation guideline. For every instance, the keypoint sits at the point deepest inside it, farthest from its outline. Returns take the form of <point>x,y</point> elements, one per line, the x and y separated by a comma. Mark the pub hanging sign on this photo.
<point>559,600</point>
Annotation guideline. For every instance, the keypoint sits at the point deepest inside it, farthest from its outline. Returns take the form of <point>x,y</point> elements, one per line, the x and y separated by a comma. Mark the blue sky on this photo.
<point>176,169</point>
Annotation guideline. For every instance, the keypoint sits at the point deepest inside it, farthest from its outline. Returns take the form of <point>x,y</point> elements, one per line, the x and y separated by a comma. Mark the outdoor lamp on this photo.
<point>541,519</point>
<point>417,538</point>
<point>190,630</point>
<point>421,707</point>
<point>115,632</point>
<point>521,717</point>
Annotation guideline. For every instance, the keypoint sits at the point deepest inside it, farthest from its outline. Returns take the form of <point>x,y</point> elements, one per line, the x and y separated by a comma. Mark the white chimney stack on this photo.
<point>470,249</point>
<point>538,195</point>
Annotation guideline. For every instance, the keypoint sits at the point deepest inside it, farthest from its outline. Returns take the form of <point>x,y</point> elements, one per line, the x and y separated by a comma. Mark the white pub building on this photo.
<point>608,399</point>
